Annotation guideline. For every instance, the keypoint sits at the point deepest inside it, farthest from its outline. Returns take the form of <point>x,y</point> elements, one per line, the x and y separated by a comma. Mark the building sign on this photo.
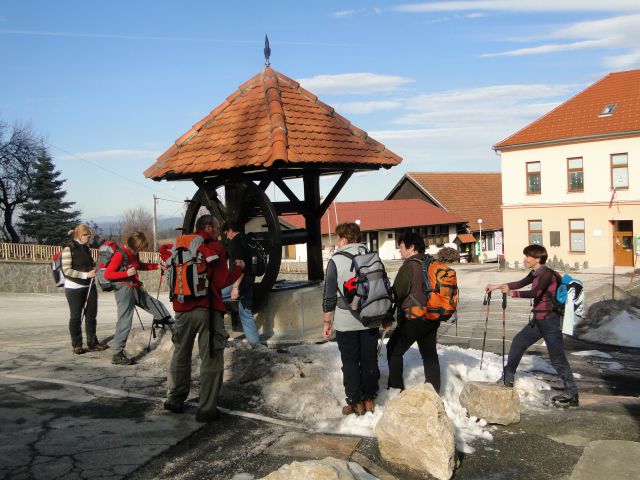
<point>498,240</point>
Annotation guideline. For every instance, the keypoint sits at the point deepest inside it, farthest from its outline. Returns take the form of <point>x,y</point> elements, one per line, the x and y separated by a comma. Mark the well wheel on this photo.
<point>247,204</point>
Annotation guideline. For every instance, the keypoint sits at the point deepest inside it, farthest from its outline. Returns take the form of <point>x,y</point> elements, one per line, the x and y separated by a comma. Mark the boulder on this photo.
<point>493,402</point>
<point>328,468</point>
<point>416,433</point>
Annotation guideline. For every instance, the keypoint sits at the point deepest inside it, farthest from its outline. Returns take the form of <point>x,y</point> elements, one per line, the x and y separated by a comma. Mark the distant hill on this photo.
<point>110,225</point>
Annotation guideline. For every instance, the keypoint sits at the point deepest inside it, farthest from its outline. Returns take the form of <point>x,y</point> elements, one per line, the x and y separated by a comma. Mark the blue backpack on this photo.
<point>567,283</point>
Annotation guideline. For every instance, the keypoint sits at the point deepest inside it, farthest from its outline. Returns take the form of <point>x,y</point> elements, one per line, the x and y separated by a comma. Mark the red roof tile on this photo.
<point>381,215</point>
<point>270,118</point>
<point>470,196</point>
<point>580,119</point>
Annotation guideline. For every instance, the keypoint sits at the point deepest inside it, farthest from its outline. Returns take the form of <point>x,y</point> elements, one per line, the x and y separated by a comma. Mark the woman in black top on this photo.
<point>80,288</point>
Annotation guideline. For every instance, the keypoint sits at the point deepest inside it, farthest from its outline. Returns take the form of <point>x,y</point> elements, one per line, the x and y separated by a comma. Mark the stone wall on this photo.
<point>34,277</point>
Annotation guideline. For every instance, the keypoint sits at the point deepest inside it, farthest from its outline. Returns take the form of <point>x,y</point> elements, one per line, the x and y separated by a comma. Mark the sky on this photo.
<point>111,85</point>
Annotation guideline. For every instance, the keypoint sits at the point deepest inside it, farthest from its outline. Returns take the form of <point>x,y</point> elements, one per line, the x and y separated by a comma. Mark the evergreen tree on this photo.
<point>46,217</point>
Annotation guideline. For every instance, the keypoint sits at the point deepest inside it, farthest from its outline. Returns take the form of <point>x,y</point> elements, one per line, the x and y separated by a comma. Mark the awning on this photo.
<point>465,238</point>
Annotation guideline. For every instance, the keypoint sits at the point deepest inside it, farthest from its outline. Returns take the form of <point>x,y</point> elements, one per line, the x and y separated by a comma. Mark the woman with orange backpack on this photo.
<point>410,289</point>
<point>123,271</point>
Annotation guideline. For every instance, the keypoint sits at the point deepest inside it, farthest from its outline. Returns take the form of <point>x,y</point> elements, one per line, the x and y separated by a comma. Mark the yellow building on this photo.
<point>571,179</point>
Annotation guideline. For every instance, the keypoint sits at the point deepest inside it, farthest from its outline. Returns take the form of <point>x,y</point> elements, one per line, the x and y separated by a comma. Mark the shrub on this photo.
<point>448,254</point>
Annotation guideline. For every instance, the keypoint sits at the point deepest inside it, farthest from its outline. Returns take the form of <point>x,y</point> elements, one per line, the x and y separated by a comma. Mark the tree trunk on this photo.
<point>8,224</point>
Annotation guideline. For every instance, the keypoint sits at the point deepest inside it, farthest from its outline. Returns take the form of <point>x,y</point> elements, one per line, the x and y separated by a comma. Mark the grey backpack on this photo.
<point>368,294</point>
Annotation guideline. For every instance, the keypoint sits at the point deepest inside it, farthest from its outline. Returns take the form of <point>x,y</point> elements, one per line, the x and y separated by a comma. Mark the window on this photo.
<point>619,171</point>
<point>535,232</point>
<point>575,174</point>
<point>607,111</point>
<point>533,177</point>
<point>576,235</point>
<point>489,242</point>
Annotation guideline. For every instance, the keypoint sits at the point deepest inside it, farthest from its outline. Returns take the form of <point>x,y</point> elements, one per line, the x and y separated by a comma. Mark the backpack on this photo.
<point>440,288</point>
<point>563,299</point>
<point>56,269</point>
<point>256,257</point>
<point>105,254</point>
<point>187,269</point>
<point>368,294</point>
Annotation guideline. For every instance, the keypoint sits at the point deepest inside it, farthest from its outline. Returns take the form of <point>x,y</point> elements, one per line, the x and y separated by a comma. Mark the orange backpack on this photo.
<point>440,288</point>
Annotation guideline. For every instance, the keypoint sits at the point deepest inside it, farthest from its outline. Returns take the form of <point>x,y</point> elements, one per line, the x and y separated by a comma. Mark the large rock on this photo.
<point>416,433</point>
<point>493,402</point>
<point>326,469</point>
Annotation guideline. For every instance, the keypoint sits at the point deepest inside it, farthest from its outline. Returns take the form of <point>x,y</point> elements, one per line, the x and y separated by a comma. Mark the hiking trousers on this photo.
<point>76,298</point>
<point>549,328</point>
<point>245,314</point>
<point>424,332</point>
<point>359,355</point>
<point>188,326</point>
<point>127,298</point>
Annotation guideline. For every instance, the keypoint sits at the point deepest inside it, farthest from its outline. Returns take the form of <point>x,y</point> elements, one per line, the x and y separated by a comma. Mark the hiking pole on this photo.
<point>160,284</point>
<point>504,314</point>
<point>487,302</point>
<point>86,301</point>
<point>139,319</point>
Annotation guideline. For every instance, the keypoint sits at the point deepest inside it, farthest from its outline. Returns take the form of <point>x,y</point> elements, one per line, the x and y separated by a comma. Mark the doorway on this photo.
<point>373,241</point>
<point>623,243</point>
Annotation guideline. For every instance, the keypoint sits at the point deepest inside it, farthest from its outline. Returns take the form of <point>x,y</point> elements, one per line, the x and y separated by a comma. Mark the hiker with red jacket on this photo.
<point>410,289</point>
<point>80,289</point>
<point>544,322</point>
<point>202,317</point>
<point>123,271</point>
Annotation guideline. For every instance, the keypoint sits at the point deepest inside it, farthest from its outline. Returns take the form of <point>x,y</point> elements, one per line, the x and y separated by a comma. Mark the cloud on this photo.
<point>116,154</point>
<point>344,13</point>
<point>523,6</point>
<point>354,83</point>
<point>355,108</point>
<point>620,32</point>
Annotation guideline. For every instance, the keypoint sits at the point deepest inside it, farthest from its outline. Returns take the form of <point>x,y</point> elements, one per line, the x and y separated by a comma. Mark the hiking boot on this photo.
<point>122,359</point>
<point>79,350</point>
<point>508,382</point>
<point>369,405</point>
<point>358,409</point>
<point>98,347</point>
<point>173,407</point>
<point>566,400</point>
<point>208,417</point>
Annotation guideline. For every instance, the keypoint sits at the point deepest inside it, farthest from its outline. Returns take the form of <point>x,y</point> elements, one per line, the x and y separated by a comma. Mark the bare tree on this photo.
<point>137,219</point>
<point>19,148</point>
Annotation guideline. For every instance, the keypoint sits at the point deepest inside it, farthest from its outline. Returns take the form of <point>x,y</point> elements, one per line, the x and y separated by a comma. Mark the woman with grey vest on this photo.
<point>357,343</point>
<point>80,289</point>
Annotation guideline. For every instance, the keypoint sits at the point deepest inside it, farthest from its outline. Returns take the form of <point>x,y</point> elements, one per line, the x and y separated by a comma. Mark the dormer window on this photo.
<point>608,110</point>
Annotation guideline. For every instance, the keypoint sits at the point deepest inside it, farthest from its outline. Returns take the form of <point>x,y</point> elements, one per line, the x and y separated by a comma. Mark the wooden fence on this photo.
<point>44,253</point>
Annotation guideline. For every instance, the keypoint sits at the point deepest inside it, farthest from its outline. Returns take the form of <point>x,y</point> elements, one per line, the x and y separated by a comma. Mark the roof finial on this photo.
<point>267,51</point>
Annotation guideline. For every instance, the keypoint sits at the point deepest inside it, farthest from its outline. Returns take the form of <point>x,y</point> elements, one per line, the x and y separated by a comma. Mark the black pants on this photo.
<point>76,298</point>
<point>360,373</point>
<point>550,329</point>
<point>409,331</point>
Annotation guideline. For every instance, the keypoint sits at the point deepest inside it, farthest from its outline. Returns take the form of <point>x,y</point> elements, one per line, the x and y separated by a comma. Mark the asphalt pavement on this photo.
<point>68,416</point>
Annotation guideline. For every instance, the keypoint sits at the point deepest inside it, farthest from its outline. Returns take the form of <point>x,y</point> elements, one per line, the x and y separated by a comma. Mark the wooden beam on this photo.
<point>344,178</point>
<point>312,220</point>
<point>285,189</point>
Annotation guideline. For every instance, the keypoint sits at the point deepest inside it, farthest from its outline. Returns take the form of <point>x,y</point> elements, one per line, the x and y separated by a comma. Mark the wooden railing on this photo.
<point>44,253</point>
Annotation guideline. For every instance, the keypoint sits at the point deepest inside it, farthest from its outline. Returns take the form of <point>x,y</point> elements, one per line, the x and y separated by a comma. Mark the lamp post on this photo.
<point>480,240</point>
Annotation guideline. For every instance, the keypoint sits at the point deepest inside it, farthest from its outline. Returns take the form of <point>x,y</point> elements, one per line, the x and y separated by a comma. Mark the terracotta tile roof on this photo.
<point>580,119</point>
<point>466,238</point>
<point>381,215</point>
<point>270,118</point>
<point>470,195</point>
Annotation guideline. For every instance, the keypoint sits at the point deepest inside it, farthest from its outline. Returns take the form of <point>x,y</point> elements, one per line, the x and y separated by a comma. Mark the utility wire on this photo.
<point>111,171</point>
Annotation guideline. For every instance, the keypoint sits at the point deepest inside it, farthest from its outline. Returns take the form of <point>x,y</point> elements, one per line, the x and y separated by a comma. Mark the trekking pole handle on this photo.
<point>487,298</point>
<point>504,301</point>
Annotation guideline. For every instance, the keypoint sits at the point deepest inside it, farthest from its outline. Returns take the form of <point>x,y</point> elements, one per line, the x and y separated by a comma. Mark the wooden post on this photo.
<point>312,219</point>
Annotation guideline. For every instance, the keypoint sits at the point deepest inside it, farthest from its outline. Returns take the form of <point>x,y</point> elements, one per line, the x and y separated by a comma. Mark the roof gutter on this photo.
<point>568,140</point>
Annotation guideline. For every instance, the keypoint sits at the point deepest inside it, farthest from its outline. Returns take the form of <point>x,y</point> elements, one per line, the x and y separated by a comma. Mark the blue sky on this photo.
<point>111,85</point>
